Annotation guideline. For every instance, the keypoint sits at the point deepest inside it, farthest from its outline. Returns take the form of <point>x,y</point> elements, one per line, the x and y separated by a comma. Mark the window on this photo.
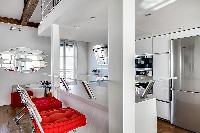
<point>67,61</point>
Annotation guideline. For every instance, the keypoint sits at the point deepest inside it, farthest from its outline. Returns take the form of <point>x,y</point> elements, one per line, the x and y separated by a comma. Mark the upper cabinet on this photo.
<point>144,46</point>
<point>161,44</point>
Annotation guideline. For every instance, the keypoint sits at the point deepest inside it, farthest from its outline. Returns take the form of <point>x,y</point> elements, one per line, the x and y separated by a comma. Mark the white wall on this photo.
<point>27,37</point>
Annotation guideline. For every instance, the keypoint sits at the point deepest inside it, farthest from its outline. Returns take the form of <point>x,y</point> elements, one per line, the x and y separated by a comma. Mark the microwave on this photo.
<point>145,61</point>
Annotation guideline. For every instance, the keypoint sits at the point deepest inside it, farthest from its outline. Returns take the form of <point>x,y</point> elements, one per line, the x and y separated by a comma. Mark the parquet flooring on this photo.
<point>165,127</point>
<point>7,125</point>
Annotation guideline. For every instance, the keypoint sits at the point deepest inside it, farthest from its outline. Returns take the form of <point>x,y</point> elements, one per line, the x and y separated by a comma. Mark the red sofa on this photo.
<point>16,99</point>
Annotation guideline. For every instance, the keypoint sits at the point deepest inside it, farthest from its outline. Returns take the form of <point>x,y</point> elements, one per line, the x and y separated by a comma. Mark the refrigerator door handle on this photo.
<point>171,84</point>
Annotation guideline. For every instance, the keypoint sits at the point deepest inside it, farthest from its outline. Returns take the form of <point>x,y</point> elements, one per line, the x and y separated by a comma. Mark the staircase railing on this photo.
<point>47,6</point>
<point>65,84</point>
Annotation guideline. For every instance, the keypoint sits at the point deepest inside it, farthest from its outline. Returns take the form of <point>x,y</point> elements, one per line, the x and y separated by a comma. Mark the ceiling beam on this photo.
<point>17,22</point>
<point>28,11</point>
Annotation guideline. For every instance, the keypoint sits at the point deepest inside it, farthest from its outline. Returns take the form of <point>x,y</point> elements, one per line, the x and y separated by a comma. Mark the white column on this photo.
<point>121,66</point>
<point>55,58</point>
<point>128,66</point>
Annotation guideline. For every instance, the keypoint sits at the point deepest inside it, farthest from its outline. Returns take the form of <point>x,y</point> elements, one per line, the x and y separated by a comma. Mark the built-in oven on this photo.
<point>144,65</point>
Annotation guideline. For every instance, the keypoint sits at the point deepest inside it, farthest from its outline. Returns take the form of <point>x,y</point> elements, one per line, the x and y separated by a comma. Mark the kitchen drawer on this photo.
<point>161,90</point>
<point>163,110</point>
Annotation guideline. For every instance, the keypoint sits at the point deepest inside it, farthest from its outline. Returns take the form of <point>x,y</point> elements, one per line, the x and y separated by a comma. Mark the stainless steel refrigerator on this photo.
<point>185,65</point>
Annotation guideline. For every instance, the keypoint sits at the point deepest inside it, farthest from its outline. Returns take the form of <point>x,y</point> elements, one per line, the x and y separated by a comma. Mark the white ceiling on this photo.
<point>14,9</point>
<point>182,13</point>
<point>91,30</point>
<point>11,8</point>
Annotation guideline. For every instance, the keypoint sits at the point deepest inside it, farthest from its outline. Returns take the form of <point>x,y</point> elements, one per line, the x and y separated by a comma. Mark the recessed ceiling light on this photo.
<point>92,17</point>
<point>76,27</point>
<point>149,14</point>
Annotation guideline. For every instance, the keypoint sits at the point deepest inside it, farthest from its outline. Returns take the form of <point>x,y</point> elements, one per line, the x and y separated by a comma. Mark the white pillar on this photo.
<point>121,66</point>
<point>128,66</point>
<point>55,59</point>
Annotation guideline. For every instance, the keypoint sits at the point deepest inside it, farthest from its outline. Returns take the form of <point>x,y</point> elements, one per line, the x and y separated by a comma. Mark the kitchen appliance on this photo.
<point>144,61</point>
<point>144,65</point>
<point>185,65</point>
<point>144,73</point>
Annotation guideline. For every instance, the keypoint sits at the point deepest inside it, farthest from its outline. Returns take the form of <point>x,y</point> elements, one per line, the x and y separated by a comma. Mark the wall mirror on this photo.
<point>23,60</point>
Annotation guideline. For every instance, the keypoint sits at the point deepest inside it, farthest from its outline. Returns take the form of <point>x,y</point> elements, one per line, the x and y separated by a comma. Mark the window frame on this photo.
<point>64,69</point>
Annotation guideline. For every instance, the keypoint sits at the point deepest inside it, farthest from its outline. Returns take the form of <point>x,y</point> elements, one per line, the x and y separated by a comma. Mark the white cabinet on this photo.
<point>143,46</point>
<point>146,116</point>
<point>161,66</point>
<point>161,75</point>
<point>161,44</point>
<point>161,90</point>
<point>163,110</point>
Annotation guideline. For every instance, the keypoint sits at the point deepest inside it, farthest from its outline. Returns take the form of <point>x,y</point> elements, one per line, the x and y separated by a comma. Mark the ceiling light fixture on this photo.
<point>15,28</point>
<point>92,17</point>
<point>164,4</point>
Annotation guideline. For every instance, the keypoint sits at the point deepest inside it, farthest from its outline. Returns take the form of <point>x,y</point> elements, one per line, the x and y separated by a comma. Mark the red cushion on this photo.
<point>47,103</point>
<point>57,116</point>
<point>46,120</point>
<point>69,113</point>
<point>61,120</point>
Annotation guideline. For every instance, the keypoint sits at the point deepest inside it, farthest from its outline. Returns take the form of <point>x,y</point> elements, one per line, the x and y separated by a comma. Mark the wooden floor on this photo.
<point>7,125</point>
<point>165,127</point>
